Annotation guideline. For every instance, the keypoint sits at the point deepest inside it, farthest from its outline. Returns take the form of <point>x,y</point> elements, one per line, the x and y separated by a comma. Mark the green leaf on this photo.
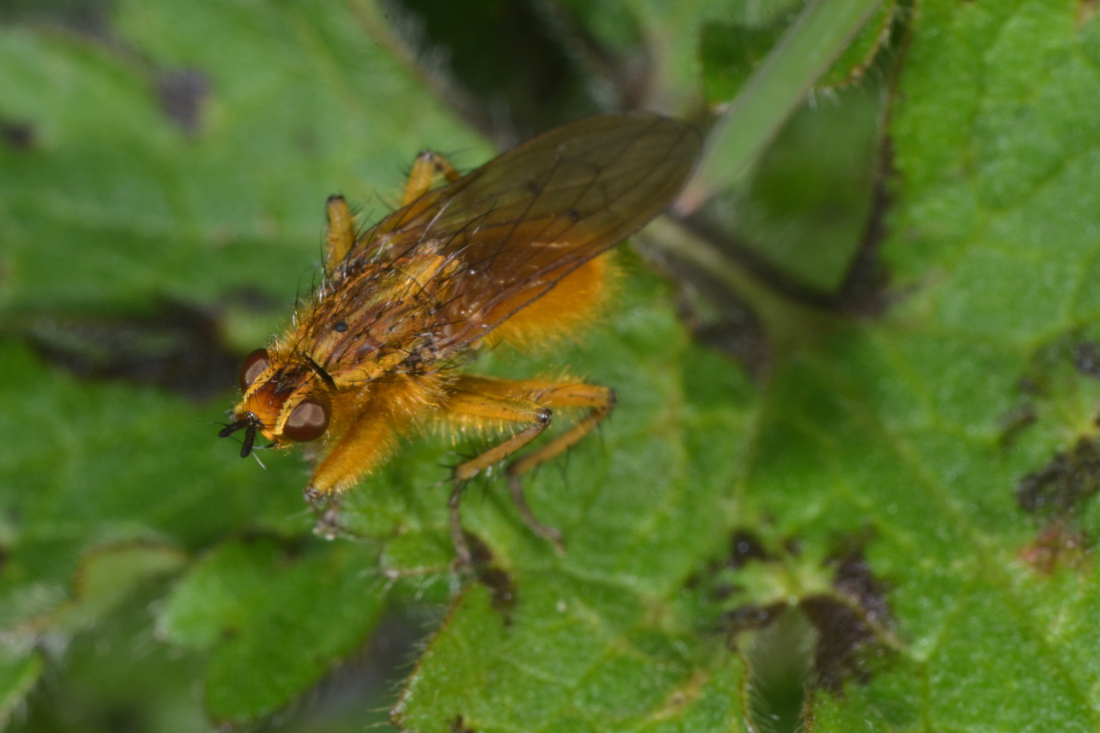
<point>114,199</point>
<point>18,675</point>
<point>910,491</point>
<point>994,239</point>
<point>245,596</point>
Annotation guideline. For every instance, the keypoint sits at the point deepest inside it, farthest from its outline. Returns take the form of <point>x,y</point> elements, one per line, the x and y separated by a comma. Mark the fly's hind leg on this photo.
<point>340,233</point>
<point>426,168</point>
<point>491,404</point>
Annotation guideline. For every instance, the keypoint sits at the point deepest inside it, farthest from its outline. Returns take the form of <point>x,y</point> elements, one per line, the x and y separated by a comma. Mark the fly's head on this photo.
<point>286,401</point>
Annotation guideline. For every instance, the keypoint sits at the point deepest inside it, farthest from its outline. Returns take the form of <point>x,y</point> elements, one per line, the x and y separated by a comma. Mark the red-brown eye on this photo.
<point>307,422</point>
<point>253,366</point>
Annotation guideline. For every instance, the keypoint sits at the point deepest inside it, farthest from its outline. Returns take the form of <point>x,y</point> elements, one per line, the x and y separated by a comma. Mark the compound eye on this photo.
<point>253,366</point>
<point>307,422</point>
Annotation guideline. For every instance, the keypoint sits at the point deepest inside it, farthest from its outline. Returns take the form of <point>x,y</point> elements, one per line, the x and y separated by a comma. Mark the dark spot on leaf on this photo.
<point>1059,545</point>
<point>843,635</point>
<point>177,347</point>
<point>1086,358</point>
<point>851,624</point>
<point>746,546</point>
<point>716,582</point>
<point>863,291</point>
<point>793,546</point>
<point>458,725</point>
<point>750,616</point>
<point>1057,493</point>
<point>502,590</point>
<point>340,327</point>
<point>855,580</point>
<point>1063,484</point>
<point>852,621</point>
<point>499,582</point>
<point>87,17</point>
<point>17,135</point>
<point>181,93</point>
<point>1029,386</point>
<point>822,641</point>
<point>1015,422</point>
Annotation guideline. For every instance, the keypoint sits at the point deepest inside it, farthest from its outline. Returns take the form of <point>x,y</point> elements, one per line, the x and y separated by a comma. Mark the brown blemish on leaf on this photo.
<point>1086,11</point>
<point>1059,545</point>
<point>846,631</point>
<point>1056,493</point>
<point>1023,415</point>
<point>1062,485</point>
<point>746,546</point>
<point>852,621</point>
<point>178,348</point>
<point>458,725</point>
<point>499,582</point>
<point>852,624</point>
<point>1086,358</point>
<point>750,617</point>
<point>87,17</point>
<point>17,135</point>
<point>1015,422</point>
<point>1028,386</point>
<point>181,93</point>
<point>855,580</point>
<point>686,693</point>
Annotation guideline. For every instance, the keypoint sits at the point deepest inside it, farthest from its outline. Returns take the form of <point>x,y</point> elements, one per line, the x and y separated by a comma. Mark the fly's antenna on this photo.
<point>249,423</point>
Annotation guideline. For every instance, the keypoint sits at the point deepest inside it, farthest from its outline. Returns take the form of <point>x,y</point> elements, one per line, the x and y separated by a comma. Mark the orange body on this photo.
<point>507,253</point>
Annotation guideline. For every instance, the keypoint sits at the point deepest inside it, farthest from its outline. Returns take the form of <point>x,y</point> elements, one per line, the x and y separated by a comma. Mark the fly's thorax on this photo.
<point>378,318</point>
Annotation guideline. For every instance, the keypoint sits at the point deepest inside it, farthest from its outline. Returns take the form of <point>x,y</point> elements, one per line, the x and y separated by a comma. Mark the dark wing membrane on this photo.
<point>530,217</point>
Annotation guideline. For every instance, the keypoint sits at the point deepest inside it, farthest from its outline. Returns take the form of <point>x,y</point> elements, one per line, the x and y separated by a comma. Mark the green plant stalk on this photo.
<point>786,76</point>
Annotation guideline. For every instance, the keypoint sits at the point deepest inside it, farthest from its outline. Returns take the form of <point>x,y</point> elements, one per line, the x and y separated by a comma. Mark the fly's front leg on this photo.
<point>494,403</point>
<point>340,233</point>
<point>426,168</point>
<point>326,510</point>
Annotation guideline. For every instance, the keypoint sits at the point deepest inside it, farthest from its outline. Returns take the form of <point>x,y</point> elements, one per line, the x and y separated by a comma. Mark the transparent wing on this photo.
<point>533,215</point>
